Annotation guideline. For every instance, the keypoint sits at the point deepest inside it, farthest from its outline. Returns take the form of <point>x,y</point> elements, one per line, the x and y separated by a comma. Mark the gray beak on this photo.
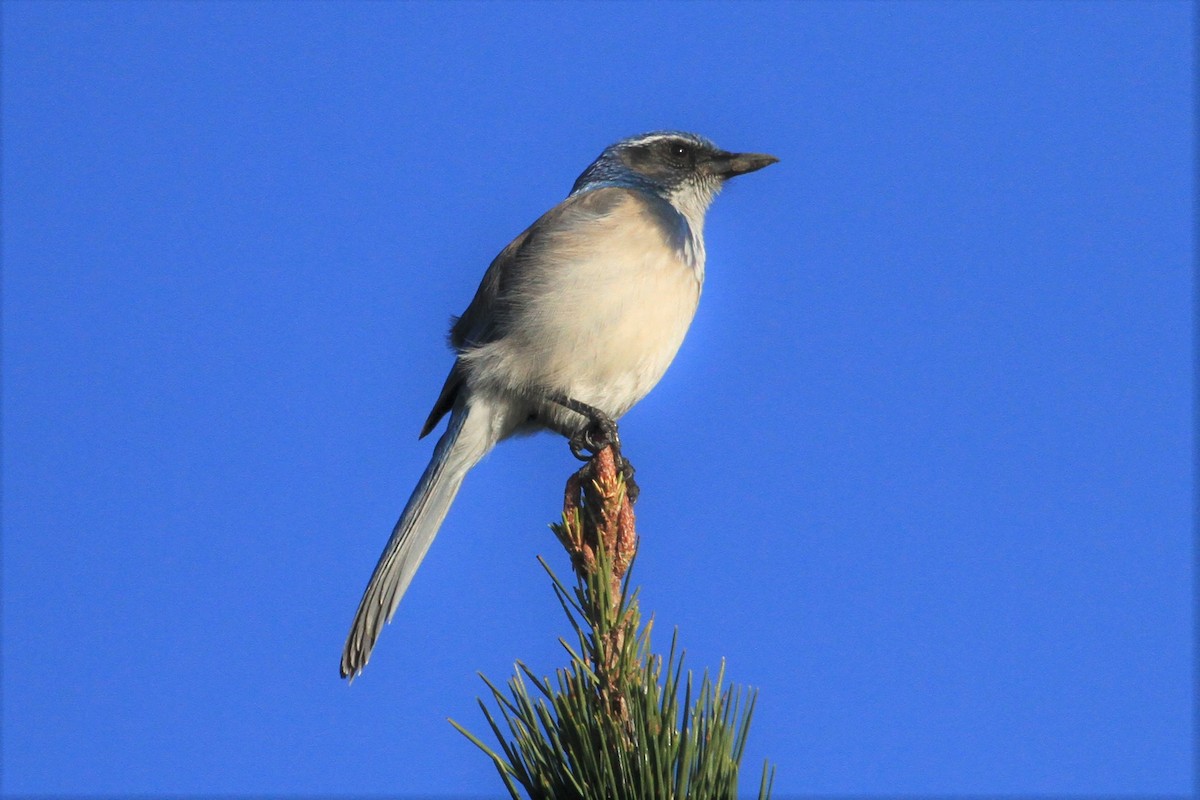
<point>728,165</point>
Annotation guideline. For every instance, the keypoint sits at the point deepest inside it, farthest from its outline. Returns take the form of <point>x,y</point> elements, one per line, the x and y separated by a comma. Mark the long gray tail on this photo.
<point>468,437</point>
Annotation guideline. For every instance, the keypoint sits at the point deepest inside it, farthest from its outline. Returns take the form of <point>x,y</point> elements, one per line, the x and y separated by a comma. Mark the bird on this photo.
<point>574,322</point>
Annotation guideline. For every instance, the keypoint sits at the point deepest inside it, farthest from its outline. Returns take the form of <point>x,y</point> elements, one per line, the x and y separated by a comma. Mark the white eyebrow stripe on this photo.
<point>658,137</point>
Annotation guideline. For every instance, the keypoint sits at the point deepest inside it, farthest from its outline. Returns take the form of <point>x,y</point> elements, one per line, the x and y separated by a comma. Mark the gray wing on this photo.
<point>485,317</point>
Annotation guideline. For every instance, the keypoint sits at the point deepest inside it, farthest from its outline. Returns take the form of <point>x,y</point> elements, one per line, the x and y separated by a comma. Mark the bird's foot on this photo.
<point>594,437</point>
<point>599,432</point>
<point>631,488</point>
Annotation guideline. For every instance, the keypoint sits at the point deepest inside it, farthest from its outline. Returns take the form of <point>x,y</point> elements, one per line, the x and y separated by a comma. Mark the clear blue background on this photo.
<point>921,472</point>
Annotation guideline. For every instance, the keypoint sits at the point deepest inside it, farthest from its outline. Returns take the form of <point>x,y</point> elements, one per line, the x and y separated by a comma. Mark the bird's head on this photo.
<point>683,168</point>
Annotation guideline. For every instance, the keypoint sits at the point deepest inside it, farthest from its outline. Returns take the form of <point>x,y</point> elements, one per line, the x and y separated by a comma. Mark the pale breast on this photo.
<point>603,316</point>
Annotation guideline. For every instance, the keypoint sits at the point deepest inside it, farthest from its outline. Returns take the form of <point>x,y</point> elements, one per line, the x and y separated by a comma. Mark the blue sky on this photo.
<point>921,472</point>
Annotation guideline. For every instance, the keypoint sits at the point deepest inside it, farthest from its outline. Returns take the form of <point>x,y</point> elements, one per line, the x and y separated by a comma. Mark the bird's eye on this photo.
<point>679,153</point>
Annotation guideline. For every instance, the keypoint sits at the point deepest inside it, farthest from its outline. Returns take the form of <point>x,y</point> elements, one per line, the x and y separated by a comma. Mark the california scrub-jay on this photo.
<point>574,322</point>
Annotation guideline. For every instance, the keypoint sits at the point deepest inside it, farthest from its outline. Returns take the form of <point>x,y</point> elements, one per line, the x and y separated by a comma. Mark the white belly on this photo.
<point>601,328</point>
<point>612,349</point>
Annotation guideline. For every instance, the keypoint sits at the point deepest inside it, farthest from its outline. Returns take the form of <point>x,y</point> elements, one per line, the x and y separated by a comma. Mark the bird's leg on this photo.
<point>599,432</point>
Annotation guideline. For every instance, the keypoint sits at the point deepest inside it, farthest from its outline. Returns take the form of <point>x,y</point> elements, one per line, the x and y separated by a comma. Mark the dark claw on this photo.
<point>578,446</point>
<point>597,434</point>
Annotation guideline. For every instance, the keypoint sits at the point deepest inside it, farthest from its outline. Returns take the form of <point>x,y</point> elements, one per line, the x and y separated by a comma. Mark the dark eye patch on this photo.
<point>680,153</point>
<point>663,160</point>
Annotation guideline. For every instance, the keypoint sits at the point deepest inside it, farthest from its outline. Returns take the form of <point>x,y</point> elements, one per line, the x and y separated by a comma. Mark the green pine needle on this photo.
<point>574,738</point>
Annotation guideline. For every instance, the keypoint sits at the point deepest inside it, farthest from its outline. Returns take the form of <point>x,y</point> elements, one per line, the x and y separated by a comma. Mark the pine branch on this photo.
<point>612,726</point>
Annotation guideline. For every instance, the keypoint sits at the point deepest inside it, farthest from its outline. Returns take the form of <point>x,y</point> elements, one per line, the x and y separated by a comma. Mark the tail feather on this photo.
<point>467,439</point>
